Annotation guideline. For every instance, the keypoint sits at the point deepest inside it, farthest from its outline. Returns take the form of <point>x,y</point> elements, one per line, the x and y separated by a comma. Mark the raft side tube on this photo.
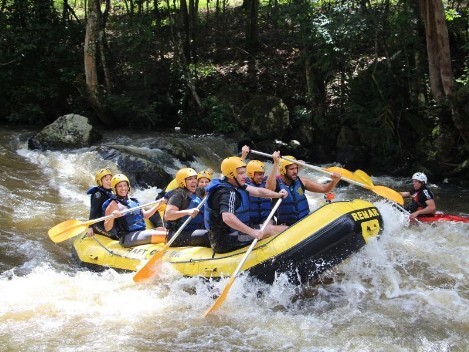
<point>322,239</point>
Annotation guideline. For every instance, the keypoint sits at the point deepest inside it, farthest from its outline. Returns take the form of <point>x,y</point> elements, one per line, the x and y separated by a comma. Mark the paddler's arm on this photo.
<point>232,221</point>
<point>271,182</point>
<point>153,209</point>
<point>265,193</point>
<point>173,213</point>
<point>244,152</point>
<point>112,209</point>
<point>313,186</point>
<point>429,209</point>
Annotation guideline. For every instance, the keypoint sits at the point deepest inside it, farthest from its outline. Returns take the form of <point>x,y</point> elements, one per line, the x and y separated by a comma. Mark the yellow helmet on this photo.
<point>205,173</point>
<point>119,178</point>
<point>254,166</point>
<point>282,164</point>
<point>100,174</point>
<point>230,164</point>
<point>184,173</point>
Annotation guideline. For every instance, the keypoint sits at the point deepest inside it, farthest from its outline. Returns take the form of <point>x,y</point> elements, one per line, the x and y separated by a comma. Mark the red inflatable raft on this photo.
<point>438,217</point>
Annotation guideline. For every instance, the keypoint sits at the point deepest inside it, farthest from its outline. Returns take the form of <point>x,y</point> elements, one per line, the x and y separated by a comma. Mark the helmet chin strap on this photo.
<point>236,180</point>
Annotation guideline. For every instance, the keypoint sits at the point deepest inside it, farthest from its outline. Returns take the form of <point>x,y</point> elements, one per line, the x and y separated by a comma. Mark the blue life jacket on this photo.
<point>242,213</point>
<point>294,207</point>
<point>104,191</point>
<point>96,210</point>
<point>259,208</point>
<point>196,223</point>
<point>168,194</point>
<point>131,221</point>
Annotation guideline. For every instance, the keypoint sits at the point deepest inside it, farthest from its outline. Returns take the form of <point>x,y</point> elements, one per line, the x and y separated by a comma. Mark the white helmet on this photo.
<point>420,176</point>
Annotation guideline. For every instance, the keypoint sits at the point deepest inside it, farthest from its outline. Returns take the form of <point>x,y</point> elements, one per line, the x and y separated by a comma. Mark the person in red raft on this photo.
<point>422,200</point>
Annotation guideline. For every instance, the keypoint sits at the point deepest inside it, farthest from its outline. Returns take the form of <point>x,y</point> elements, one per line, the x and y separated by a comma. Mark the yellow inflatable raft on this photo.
<point>324,238</point>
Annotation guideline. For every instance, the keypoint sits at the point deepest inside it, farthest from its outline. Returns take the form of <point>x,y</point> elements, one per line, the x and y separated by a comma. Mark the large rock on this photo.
<point>142,169</point>
<point>264,117</point>
<point>67,132</point>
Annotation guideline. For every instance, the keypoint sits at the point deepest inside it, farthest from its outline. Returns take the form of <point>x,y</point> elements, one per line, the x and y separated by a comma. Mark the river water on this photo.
<point>408,291</point>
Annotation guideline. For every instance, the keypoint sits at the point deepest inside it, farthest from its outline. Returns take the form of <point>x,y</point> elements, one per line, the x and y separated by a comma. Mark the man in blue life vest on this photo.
<point>227,209</point>
<point>422,199</point>
<point>259,207</point>
<point>295,207</point>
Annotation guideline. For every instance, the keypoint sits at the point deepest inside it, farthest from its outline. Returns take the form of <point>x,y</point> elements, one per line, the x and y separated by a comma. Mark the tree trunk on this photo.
<point>103,47</point>
<point>439,58</point>
<point>179,54</point>
<point>91,56</point>
<point>184,25</point>
<point>90,49</point>
<point>442,81</point>
<point>252,24</point>
<point>316,86</point>
<point>193,27</point>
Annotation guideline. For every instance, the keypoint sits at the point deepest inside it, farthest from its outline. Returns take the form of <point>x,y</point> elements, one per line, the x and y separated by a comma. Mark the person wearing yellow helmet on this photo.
<point>422,199</point>
<point>204,177</point>
<point>98,195</point>
<point>259,207</point>
<point>227,215</point>
<point>182,204</point>
<point>130,227</point>
<point>295,207</point>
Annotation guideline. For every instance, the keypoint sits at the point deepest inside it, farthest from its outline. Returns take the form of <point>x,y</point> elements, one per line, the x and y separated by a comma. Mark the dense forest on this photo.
<point>382,85</point>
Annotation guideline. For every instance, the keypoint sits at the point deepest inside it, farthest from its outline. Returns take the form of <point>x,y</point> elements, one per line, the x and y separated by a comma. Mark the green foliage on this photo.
<point>40,60</point>
<point>464,78</point>
<point>366,66</point>
<point>374,108</point>
<point>301,113</point>
<point>219,116</point>
<point>451,14</point>
<point>203,69</point>
<point>127,112</point>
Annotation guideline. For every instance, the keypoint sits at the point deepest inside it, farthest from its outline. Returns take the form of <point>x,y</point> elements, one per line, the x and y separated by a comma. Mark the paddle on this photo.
<point>224,293</point>
<point>365,178</point>
<point>357,175</point>
<point>148,270</point>
<point>72,228</point>
<point>406,212</point>
<point>350,178</point>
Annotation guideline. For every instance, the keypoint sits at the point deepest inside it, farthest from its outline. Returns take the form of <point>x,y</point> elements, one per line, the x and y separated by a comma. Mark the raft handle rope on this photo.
<point>110,251</point>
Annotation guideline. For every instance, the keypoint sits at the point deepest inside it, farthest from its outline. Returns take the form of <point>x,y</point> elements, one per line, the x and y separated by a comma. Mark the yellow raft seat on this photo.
<point>322,239</point>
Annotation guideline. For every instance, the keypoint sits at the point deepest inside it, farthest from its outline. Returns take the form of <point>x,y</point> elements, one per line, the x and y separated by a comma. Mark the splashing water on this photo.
<point>408,290</point>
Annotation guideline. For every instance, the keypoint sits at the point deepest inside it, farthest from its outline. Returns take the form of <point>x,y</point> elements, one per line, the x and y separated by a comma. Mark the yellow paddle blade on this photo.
<point>171,186</point>
<point>362,179</point>
<point>67,229</point>
<point>388,193</point>
<point>221,298</point>
<point>223,295</point>
<point>362,176</point>
<point>149,269</point>
<point>343,172</point>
